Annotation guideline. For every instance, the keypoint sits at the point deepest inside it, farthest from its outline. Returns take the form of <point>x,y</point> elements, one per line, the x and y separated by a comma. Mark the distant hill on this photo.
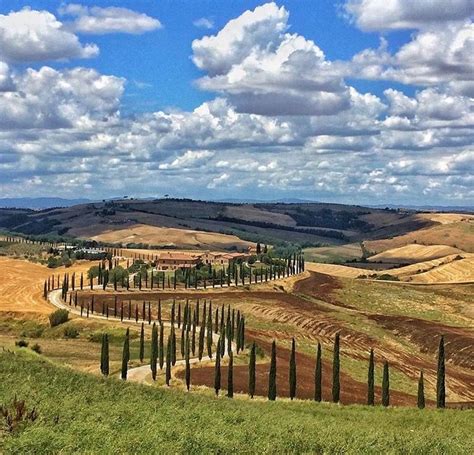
<point>39,203</point>
<point>308,224</point>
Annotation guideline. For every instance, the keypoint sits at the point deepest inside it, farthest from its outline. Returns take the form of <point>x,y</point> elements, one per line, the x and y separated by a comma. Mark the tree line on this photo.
<point>166,357</point>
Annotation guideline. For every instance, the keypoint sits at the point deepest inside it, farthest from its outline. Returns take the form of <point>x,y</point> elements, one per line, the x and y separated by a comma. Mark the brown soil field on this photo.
<point>182,238</point>
<point>415,253</point>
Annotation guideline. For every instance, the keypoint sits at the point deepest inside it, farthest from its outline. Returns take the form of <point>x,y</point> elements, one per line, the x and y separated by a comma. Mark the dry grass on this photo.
<point>21,286</point>
<point>337,270</point>
<point>183,238</point>
<point>415,253</point>
<point>457,234</point>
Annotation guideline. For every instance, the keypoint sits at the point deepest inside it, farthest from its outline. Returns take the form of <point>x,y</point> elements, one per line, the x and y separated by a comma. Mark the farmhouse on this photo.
<point>217,258</point>
<point>176,260</point>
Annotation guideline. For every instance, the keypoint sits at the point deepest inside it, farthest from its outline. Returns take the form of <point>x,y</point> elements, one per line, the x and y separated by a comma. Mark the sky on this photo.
<point>351,101</point>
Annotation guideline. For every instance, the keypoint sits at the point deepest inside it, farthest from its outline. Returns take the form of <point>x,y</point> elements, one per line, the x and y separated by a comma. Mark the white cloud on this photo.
<point>30,35</point>
<point>406,14</point>
<point>191,159</point>
<point>264,70</point>
<point>204,22</point>
<point>48,98</point>
<point>99,21</point>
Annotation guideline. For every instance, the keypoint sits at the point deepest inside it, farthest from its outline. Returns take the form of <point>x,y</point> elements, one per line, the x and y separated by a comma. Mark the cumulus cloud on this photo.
<point>28,35</point>
<point>63,127</point>
<point>406,14</point>
<point>48,98</point>
<point>264,70</point>
<point>96,20</point>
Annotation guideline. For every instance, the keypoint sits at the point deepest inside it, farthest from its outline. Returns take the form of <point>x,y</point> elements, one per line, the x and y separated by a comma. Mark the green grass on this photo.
<point>80,413</point>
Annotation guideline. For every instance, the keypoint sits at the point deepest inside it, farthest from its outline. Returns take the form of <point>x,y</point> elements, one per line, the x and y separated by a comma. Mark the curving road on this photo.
<point>137,374</point>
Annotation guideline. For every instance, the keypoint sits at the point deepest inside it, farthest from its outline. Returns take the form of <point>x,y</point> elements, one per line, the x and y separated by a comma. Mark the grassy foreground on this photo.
<point>82,413</point>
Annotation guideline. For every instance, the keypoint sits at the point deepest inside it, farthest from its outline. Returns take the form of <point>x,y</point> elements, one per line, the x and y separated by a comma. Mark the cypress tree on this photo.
<point>216,322</point>
<point>104,358</point>
<point>336,386</point>
<point>385,385</point>
<point>168,359</point>
<point>318,375</point>
<point>193,334</point>
<point>179,315</point>
<point>188,366</point>
<point>183,340</point>
<point>202,329</point>
<point>230,377</point>
<point>421,392</point>
<point>154,351</point>
<point>173,346</point>
<point>161,349</point>
<point>292,377</point>
<point>440,380</point>
<point>252,367</point>
<point>272,387</point>
<point>172,313</point>
<point>159,311</point>
<point>126,354</point>
<point>209,332</point>
<point>217,374</point>
<point>371,380</point>
<point>142,343</point>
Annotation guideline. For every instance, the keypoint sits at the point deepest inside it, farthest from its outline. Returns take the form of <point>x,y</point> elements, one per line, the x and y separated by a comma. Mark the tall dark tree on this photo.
<point>125,354</point>
<point>318,375</point>
<point>202,334</point>
<point>230,377</point>
<point>168,360</point>
<point>187,363</point>
<point>217,374</point>
<point>161,348</point>
<point>272,386</point>
<point>142,343</point>
<point>336,385</point>
<point>173,346</point>
<point>386,385</point>
<point>154,351</point>
<point>209,332</point>
<point>104,357</point>
<point>252,368</point>
<point>292,376</point>
<point>421,392</point>
<point>441,376</point>
<point>371,380</point>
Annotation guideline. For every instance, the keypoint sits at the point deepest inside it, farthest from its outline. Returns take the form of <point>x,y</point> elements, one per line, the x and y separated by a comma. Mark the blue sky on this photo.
<point>158,65</point>
<point>367,101</point>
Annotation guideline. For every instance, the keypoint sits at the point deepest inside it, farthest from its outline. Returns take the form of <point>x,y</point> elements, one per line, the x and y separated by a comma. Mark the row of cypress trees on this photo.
<point>157,354</point>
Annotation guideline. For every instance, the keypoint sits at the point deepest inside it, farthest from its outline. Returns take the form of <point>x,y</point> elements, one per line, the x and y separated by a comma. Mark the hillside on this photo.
<point>82,413</point>
<point>309,224</point>
<point>414,253</point>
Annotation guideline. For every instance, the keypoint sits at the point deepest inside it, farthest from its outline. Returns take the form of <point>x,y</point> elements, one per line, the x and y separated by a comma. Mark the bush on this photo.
<point>58,317</point>
<point>71,332</point>
<point>387,277</point>
<point>37,348</point>
<point>21,343</point>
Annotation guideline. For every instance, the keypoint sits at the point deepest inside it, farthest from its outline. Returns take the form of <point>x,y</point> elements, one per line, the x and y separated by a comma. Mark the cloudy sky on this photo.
<point>355,101</point>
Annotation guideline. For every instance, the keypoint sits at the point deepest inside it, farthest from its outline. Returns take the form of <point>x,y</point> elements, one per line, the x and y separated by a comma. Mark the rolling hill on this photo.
<point>308,224</point>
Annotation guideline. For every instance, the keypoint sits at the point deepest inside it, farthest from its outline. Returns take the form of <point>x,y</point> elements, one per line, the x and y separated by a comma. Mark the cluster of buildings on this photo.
<point>173,260</point>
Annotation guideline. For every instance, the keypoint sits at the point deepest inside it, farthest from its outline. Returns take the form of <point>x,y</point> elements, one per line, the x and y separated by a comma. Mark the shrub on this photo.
<point>58,317</point>
<point>387,277</point>
<point>37,348</point>
<point>21,343</point>
<point>71,332</point>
